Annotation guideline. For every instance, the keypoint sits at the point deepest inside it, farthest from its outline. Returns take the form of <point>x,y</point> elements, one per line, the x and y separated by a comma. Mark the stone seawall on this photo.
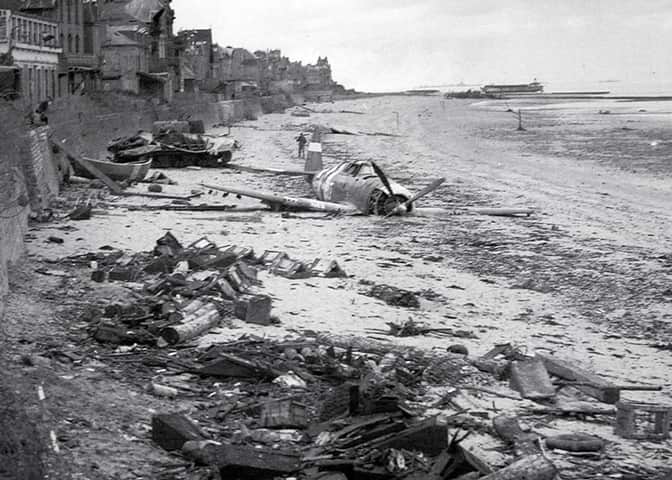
<point>88,123</point>
<point>14,191</point>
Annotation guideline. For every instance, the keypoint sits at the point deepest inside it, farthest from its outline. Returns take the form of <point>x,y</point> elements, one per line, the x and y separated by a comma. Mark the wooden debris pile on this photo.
<point>334,406</point>
<point>187,291</point>
<point>331,406</point>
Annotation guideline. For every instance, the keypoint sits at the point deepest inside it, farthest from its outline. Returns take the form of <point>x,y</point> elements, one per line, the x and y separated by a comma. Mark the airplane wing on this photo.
<point>491,212</point>
<point>292,203</point>
<point>276,171</point>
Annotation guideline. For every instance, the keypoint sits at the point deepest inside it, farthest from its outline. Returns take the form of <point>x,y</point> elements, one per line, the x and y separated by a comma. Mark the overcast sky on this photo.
<point>377,45</point>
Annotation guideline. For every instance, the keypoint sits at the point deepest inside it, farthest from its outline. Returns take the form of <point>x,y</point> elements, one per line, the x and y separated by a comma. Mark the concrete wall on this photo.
<point>88,123</point>
<point>27,181</point>
<point>276,103</point>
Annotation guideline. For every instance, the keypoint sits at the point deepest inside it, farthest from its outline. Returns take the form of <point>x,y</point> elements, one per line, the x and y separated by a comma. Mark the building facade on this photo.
<point>198,59</point>
<point>318,76</point>
<point>29,47</point>
<point>79,38</point>
<point>140,52</point>
<point>236,72</point>
<point>126,57</point>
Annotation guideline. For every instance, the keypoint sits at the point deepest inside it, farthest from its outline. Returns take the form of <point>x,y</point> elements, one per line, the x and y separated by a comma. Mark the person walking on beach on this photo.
<point>301,140</point>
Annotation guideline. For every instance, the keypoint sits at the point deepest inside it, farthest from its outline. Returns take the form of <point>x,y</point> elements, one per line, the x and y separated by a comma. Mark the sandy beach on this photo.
<point>587,277</point>
<point>590,270</point>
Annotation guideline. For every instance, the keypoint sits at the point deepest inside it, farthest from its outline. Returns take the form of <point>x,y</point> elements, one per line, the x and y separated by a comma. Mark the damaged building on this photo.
<point>141,54</point>
<point>197,65</point>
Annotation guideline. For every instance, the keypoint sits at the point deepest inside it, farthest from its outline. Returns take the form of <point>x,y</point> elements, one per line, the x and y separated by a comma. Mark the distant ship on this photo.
<point>534,87</point>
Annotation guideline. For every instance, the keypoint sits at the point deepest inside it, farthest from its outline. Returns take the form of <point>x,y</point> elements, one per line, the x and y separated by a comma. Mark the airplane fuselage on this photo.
<point>356,183</point>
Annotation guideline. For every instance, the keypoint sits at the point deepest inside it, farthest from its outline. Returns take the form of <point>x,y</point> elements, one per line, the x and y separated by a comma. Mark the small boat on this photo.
<point>133,172</point>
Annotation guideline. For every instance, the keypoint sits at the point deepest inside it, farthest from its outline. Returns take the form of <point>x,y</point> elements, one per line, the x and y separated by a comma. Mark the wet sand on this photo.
<point>588,276</point>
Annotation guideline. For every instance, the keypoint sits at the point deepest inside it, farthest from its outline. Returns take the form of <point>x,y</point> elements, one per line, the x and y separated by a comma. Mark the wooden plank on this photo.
<point>111,184</point>
<point>231,366</point>
<point>172,431</point>
<point>242,458</point>
<point>533,467</point>
<point>502,212</point>
<point>589,383</point>
<point>469,403</point>
<point>160,196</point>
<point>484,452</point>
<point>531,379</point>
<point>509,430</point>
<point>573,408</point>
<point>443,466</point>
<point>429,436</point>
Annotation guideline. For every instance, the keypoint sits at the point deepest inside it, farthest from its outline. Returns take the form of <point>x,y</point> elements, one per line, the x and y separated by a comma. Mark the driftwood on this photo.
<point>533,467</point>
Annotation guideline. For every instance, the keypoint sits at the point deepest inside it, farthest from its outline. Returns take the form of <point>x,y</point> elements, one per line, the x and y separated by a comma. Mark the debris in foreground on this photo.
<point>335,406</point>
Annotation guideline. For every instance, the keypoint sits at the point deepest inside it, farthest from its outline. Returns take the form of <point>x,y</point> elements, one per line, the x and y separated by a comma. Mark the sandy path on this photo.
<point>590,270</point>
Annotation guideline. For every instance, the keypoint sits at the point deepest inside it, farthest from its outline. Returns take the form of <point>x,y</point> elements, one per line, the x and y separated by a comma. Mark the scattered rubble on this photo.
<point>411,328</point>
<point>338,407</point>
<point>188,291</point>
<point>392,295</point>
<point>324,406</point>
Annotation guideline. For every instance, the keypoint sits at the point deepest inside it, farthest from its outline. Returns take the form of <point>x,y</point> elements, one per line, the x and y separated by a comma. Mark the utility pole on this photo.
<point>520,121</point>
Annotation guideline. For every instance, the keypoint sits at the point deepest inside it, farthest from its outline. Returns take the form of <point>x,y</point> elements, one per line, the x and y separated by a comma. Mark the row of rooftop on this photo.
<point>56,48</point>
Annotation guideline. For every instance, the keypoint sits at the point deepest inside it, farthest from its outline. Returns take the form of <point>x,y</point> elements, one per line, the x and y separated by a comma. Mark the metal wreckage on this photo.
<point>353,187</point>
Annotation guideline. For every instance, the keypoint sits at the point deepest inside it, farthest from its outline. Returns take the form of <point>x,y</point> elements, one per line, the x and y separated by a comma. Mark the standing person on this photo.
<point>301,140</point>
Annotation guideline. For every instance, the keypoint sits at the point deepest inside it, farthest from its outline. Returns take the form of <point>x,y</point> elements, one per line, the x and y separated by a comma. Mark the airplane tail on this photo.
<point>314,158</point>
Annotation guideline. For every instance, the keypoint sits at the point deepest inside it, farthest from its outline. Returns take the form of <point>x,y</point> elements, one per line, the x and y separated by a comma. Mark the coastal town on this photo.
<point>219,262</point>
<point>50,50</point>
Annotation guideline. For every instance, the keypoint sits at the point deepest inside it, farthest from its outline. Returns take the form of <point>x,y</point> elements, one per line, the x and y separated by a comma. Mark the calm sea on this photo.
<point>661,87</point>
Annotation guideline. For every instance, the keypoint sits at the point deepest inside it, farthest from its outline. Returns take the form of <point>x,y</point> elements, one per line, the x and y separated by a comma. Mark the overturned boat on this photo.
<point>132,171</point>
